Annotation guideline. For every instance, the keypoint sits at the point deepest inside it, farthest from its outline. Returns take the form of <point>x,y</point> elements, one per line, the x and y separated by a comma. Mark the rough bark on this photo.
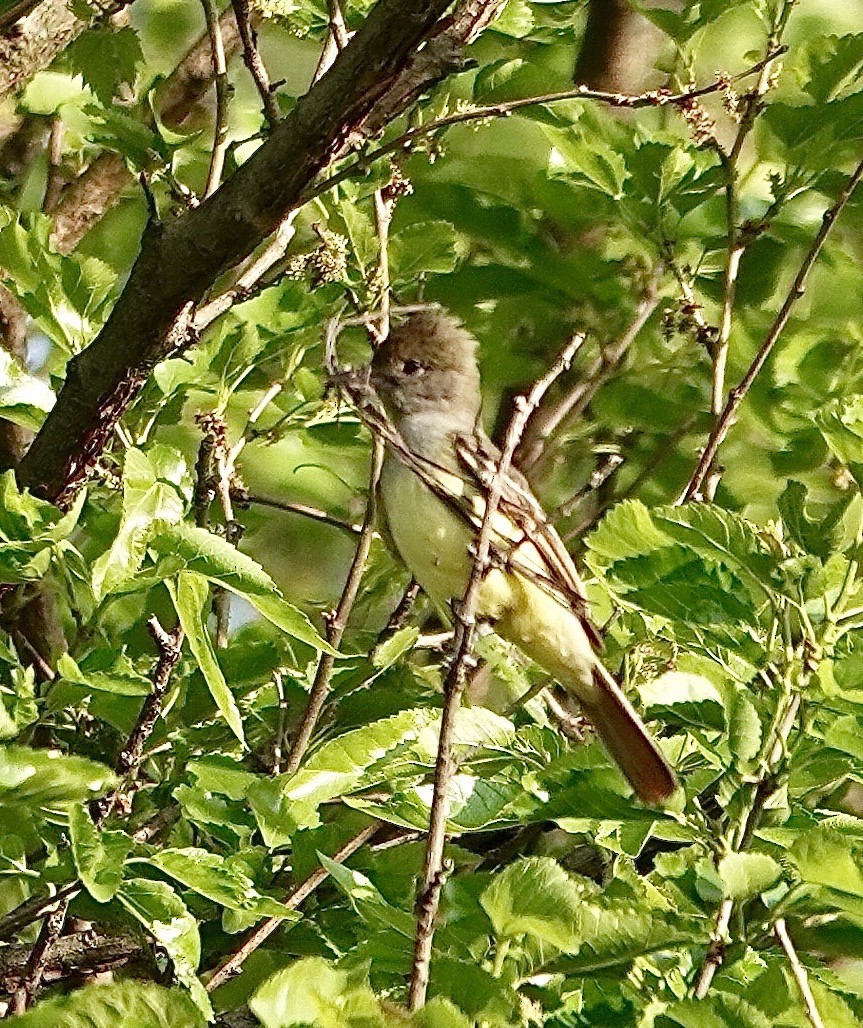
<point>180,260</point>
<point>33,41</point>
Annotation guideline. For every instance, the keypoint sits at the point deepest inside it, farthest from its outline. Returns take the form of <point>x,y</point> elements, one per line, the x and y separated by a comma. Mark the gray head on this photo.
<point>428,363</point>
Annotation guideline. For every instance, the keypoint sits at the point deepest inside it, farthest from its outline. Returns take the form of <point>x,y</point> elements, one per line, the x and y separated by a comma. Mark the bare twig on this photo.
<point>31,909</point>
<point>306,511</point>
<point>39,957</point>
<point>533,452</point>
<point>801,976</point>
<point>220,73</point>
<point>54,186</point>
<point>279,740</point>
<point>169,645</point>
<point>383,216</point>
<point>737,394</point>
<point>742,835</point>
<point>737,238</point>
<point>337,623</point>
<point>653,98</point>
<point>231,965</point>
<point>253,61</point>
<point>454,683</point>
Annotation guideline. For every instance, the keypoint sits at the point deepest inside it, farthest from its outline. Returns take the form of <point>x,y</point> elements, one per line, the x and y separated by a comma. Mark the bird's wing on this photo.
<point>556,572</point>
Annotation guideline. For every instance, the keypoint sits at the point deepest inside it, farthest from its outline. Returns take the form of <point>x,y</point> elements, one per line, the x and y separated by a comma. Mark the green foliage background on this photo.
<point>737,625</point>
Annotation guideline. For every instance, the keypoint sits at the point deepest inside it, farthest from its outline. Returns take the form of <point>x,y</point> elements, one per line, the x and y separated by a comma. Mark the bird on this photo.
<point>431,496</point>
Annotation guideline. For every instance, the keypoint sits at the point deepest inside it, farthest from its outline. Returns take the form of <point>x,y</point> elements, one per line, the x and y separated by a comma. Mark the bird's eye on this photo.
<point>412,367</point>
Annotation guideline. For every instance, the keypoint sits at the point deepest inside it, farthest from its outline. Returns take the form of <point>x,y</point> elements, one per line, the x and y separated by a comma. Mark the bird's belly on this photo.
<point>431,539</point>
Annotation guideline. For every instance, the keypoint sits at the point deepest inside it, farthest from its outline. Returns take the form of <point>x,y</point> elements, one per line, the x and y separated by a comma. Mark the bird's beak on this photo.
<point>354,381</point>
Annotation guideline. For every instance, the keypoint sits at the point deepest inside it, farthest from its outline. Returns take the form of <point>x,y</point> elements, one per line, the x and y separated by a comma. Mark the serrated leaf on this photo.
<point>150,501</point>
<point>106,59</point>
<point>395,647</point>
<point>218,880</point>
<point>223,564</point>
<point>161,911</point>
<point>24,399</point>
<point>99,855</point>
<point>690,698</point>
<point>431,246</point>
<point>314,992</point>
<point>47,778</point>
<point>120,683</point>
<point>127,1004</point>
<point>191,596</point>
<point>745,875</point>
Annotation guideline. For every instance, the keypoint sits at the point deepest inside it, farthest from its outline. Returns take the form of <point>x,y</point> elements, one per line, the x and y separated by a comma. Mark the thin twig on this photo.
<point>54,186</point>
<point>454,683</point>
<point>39,957</point>
<point>383,217</point>
<point>534,451</point>
<point>306,511</point>
<point>169,645</point>
<point>253,61</point>
<point>801,976</point>
<point>220,72</point>
<point>231,965</point>
<point>337,623</point>
<point>654,98</point>
<point>251,279</point>
<point>32,909</point>
<point>737,238</point>
<point>279,740</point>
<point>736,396</point>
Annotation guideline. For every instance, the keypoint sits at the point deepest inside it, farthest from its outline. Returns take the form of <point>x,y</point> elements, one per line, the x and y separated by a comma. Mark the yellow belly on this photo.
<point>431,539</point>
<point>434,542</point>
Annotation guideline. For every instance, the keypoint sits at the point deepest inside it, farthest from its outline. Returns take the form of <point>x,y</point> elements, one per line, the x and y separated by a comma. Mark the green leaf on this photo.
<point>24,399</point>
<point>378,914</point>
<point>716,1010</point>
<point>161,911</point>
<point>745,875</point>
<point>432,247</point>
<point>119,682</point>
<point>841,424</point>
<point>220,562</point>
<point>397,646</point>
<point>219,880</point>
<point>536,897</point>
<point>826,856</point>
<point>586,158</point>
<point>99,855</point>
<point>314,992</point>
<point>688,698</point>
<point>127,1004</point>
<point>47,778</point>
<point>191,596</point>
<point>150,501</point>
<point>106,59</point>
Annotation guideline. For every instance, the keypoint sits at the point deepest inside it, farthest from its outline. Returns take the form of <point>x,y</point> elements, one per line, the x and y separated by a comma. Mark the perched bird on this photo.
<point>426,378</point>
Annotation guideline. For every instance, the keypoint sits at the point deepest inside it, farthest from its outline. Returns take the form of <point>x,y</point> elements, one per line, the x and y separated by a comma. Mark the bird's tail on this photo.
<point>627,739</point>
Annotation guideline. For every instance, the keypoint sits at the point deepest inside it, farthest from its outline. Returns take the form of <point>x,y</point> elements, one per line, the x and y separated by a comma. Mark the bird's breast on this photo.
<point>431,538</point>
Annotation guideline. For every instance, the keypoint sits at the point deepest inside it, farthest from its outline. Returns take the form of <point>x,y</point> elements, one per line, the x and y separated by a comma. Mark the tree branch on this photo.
<point>254,62</point>
<point>35,39</point>
<point>220,76</point>
<point>338,622</point>
<point>181,259</point>
<point>231,965</point>
<point>738,393</point>
<point>780,930</point>
<point>433,866</point>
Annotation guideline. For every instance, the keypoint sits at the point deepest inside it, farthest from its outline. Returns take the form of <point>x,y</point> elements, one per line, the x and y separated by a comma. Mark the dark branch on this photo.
<point>180,260</point>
